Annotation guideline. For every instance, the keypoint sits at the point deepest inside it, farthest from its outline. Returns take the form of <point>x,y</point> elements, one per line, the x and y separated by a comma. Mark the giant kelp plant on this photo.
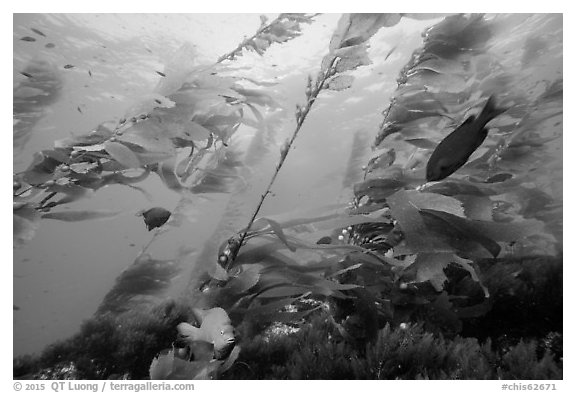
<point>394,278</point>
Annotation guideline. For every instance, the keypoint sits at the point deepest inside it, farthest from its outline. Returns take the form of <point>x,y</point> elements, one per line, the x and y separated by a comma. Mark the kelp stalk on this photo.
<point>301,114</point>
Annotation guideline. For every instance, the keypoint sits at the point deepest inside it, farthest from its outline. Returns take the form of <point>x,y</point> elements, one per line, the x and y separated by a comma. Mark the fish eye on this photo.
<point>222,332</point>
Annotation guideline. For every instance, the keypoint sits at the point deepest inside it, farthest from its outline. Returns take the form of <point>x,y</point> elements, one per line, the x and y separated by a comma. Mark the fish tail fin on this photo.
<point>490,111</point>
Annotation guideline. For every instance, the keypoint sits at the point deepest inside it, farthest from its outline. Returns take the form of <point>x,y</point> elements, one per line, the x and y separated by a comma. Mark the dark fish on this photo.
<point>38,32</point>
<point>160,73</point>
<point>324,240</point>
<point>27,75</point>
<point>50,45</point>
<point>28,39</point>
<point>68,66</point>
<point>155,217</point>
<point>79,110</point>
<point>455,150</point>
<point>90,73</point>
<point>157,101</point>
<point>15,308</point>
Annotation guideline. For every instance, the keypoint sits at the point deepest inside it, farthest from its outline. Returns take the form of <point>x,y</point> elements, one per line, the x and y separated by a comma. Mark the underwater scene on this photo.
<point>287,196</point>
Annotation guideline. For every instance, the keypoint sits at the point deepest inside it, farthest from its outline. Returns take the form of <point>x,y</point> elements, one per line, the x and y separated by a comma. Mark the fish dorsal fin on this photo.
<point>191,333</point>
<point>469,120</point>
<point>200,314</point>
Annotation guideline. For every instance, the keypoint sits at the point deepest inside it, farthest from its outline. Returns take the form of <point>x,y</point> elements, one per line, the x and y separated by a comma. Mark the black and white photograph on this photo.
<point>287,196</point>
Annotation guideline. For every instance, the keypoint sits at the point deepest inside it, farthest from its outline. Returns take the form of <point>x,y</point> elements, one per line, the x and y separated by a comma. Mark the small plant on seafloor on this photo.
<point>407,352</point>
<point>388,255</point>
<point>348,280</point>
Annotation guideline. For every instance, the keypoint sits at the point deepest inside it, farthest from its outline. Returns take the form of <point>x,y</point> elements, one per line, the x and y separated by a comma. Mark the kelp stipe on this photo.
<point>403,251</point>
<point>429,229</point>
<point>477,212</point>
<point>280,275</point>
<point>181,132</point>
<point>155,134</point>
<point>223,168</point>
<point>348,51</point>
